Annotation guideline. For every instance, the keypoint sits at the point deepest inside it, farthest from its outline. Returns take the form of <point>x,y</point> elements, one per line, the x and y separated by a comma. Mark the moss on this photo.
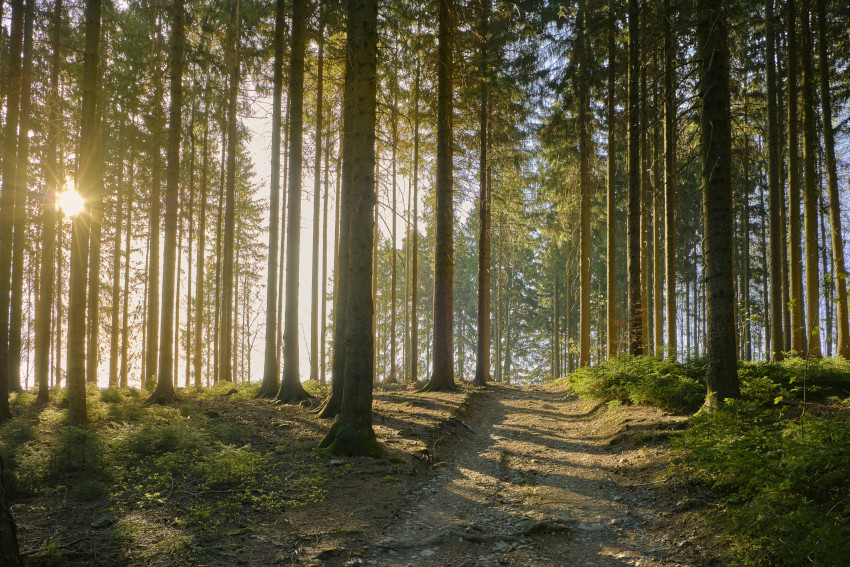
<point>348,441</point>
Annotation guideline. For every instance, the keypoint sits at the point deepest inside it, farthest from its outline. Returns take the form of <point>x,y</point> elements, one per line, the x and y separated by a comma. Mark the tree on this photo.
<point>442,377</point>
<point>716,143</point>
<point>810,196</point>
<point>290,387</point>
<point>798,331</point>
<point>584,181</point>
<point>317,190</point>
<point>775,193</point>
<point>164,392</point>
<point>271,364</point>
<point>7,196</point>
<point>48,215</point>
<point>611,197</point>
<point>80,226</point>
<point>227,272</point>
<point>670,181</point>
<point>636,346</point>
<point>839,272</point>
<point>352,433</point>
<point>482,360</point>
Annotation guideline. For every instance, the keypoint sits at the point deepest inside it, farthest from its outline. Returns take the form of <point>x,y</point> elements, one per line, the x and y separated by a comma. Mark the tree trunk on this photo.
<point>584,182</point>
<point>116,272</point>
<point>839,270</point>
<point>482,359</point>
<point>324,279</point>
<point>151,355</point>
<point>49,216</point>
<point>80,229</point>
<point>352,434</point>
<point>810,196</point>
<point>125,319</point>
<point>227,277</point>
<point>645,222</point>
<point>442,377</point>
<point>290,387</point>
<point>164,392</point>
<point>611,193</point>
<point>202,227</point>
<point>745,252</point>
<point>20,211</point>
<point>414,272</point>
<point>775,193</point>
<point>670,181</point>
<point>634,203</point>
<point>715,142</point>
<point>317,190</point>
<point>8,195</point>
<point>271,364</point>
<point>798,330</point>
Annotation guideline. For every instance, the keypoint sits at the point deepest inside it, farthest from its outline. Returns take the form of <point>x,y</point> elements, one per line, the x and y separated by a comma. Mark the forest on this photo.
<point>265,265</point>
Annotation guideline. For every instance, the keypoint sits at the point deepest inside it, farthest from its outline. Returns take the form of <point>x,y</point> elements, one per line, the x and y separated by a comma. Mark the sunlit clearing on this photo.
<point>70,202</point>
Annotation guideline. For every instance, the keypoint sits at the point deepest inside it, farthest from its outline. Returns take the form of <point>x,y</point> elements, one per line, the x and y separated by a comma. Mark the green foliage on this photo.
<point>784,487</point>
<point>642,380</point>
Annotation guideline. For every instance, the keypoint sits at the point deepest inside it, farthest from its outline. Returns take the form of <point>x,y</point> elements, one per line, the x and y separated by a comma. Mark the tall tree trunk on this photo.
<point>116,269</point>
<point>798,330</point>
<point>657,223</point>
<point>290,387</point>
<point>282,257</point>
<point>442,377</point>
<point>202,233</point>
<point>414,272</point>
<point>839,270</point>
<point>227,277</point>
<point>164,392</point>
<point>482,359</point>
<point>716,142</point>
<point>352,434</point>
<point>317,190</point>
<point>191,215</point>
<point>611,193</point>
<point>584,182</point>
<point>775,193</point>
<point>48,214</point>
<point>810,196</point>
<point>634,203</point>
<point>80,229</point>
<point>745,255</point>
<point>324,279</point>
<point>670,181</point>
<point>392,378</point>
<point>645,222</point>
<point>125,313</point>
<point>151,355</point>
<point>20,210</point>
<point>271,364</point>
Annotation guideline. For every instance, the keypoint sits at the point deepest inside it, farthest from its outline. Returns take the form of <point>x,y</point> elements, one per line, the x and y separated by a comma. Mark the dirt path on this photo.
<point>539,478</point>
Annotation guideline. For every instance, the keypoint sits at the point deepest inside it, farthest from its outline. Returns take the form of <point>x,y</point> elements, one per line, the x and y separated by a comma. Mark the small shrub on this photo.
<point>231,466</point>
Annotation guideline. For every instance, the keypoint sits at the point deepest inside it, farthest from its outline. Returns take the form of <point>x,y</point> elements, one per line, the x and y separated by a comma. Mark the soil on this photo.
<point>502,475</point>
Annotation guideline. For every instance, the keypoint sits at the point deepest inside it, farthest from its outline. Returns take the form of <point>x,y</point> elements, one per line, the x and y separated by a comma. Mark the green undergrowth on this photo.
<point>185,461</point>
<point>772,471</point>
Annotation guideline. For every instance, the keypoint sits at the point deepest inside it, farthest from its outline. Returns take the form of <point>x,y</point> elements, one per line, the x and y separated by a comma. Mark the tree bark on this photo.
<point>116,271</point>
<point>290,387</point>
<point>670,181</point>
<point>715,142</point>
<point>611,193</point>
<point>202,226</point>
<point>317,190</point>
<point>80,228</point>
<point>352,434</point>
<point>839,270</point>
<point>125,319</point>
<point>164,392</point>
<point>442,377</point>
<point>775,192</point>
<point>810,196</point>
<point>414,271</point>
<point>798,330</point>
<point>271,363</point>
<point>636,346</point>
<point>584,182</point>
<point>48,215</point>
<point>482,359</point>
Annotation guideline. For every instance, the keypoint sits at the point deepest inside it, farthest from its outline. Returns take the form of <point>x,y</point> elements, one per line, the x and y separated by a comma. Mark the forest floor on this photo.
<point>504,475</point>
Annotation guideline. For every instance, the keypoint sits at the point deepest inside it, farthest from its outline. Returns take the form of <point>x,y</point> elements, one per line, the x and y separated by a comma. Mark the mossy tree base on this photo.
<point>268,391</point>
<point>163,395</point>
<point>439,386</point>
<point>345,440</point>
<point>292,394</point>
<point>330,409</point>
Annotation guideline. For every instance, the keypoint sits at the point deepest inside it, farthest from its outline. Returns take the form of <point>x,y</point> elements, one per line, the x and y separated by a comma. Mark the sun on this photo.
<point>70,202</point>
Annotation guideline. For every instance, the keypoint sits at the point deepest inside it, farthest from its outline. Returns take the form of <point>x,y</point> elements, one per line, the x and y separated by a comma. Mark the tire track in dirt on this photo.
<point>536,477</point>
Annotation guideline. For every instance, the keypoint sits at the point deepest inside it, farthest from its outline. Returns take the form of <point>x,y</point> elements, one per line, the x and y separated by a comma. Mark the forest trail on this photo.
<point>541,478</point>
